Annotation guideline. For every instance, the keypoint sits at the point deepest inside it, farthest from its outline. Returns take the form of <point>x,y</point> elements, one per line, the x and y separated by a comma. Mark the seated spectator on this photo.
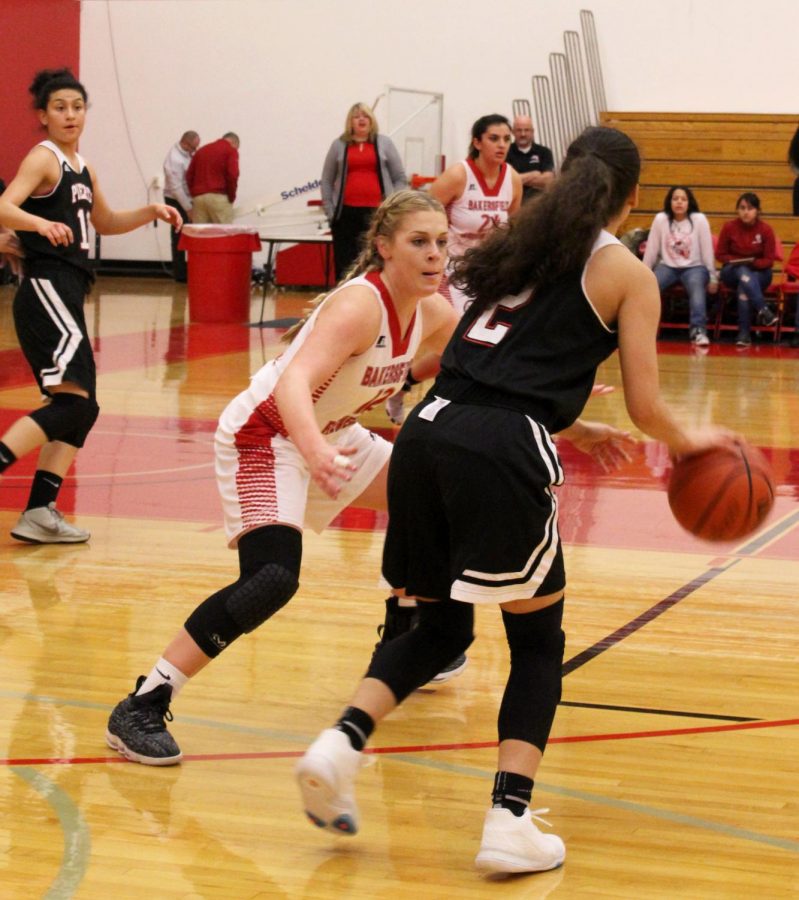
<point>747,249</point>
<point>680,250</point>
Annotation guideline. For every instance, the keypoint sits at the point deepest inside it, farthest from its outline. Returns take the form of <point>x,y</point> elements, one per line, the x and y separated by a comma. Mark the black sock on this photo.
<point>44,489</point>
<point>512,791</point>
<point>357,725</point>
<point>6,457</point>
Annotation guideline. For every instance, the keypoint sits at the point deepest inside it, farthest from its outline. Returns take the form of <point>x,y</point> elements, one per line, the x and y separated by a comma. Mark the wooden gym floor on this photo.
<point>672,767</point>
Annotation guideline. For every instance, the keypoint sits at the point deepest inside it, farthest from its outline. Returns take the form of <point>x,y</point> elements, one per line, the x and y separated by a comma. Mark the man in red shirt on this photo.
<point>212,178</point>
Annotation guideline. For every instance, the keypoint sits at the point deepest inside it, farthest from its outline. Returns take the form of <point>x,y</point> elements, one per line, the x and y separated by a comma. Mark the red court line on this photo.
<point>421,748</point>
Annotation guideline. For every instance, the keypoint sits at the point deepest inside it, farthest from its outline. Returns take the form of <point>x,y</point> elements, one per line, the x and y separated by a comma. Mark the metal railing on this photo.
<point>572,97</point>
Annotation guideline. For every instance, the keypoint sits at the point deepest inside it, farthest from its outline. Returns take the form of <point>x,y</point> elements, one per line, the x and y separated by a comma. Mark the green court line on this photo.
<point>77,840</point>
<point>668,815</point>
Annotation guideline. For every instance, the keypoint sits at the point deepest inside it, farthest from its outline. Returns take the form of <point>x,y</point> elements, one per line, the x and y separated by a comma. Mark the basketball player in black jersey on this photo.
<point>50,203</point>
<point>472,511</point>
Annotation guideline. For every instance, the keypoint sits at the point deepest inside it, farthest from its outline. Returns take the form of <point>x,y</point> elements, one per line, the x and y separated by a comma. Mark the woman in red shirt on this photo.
<point>361,168</point>
<point>747,249</point>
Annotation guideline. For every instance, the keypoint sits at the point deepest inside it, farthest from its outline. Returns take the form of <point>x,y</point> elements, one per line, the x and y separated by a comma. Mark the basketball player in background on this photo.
<point>50,203</point>
<point>472,513</point>
<point>479,193</point>
<point>290,451</point>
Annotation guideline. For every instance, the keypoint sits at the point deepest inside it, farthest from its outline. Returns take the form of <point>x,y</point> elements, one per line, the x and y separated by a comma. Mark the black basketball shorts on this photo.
<point>51,328</point>
<point>472,511</point>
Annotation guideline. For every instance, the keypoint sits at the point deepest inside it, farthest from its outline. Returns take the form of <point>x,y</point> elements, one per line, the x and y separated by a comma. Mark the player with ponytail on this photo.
<point>473,514</point>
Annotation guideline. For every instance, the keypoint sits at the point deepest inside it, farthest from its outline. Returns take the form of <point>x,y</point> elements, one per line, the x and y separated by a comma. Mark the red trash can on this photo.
<point>220,271</point>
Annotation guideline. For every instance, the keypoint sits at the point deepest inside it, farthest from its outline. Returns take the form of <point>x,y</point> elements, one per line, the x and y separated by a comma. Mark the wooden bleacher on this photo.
<point>717,155</point>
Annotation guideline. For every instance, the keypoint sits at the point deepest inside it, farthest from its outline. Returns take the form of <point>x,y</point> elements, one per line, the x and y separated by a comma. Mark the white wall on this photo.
<point>282,73</point>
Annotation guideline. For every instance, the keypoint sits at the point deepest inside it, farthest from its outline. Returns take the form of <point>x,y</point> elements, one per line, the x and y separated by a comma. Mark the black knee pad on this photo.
<point>539,631</point>
<point>67,417</point>
<point>533,691</point>
<point>444,631</point>
<point>258,598</point>
<point>269,559</point>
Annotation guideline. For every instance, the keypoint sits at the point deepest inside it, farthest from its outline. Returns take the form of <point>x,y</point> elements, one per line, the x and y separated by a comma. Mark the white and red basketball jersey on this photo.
<point>363,383</point>
<point>478,209</point>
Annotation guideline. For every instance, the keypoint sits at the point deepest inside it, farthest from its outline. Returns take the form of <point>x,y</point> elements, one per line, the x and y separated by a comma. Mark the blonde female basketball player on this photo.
<point>290,452</point>
<point>472,513</point>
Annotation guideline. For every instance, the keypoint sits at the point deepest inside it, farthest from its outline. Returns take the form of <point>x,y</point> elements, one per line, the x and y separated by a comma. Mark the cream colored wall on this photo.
<point>281,73</point>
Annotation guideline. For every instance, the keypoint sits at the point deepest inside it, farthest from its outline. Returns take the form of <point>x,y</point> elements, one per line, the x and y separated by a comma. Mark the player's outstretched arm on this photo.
<point>110,221</point>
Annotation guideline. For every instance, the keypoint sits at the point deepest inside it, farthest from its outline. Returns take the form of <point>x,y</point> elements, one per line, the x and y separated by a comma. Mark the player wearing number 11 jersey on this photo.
<point>50,203</point>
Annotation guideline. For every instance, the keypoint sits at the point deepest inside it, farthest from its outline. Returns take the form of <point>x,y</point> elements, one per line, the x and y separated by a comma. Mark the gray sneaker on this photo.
<point>698,336</point>
<point>766,316</point>
<point>454,668</point>
<point>136,727</point>
<point>46,525</point>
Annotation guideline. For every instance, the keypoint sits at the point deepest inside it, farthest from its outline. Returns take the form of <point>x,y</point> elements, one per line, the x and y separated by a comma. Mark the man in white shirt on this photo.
<point>176,192</point>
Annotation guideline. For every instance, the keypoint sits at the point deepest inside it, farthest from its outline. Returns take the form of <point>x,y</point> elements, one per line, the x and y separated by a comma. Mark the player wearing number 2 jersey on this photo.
<point>290,452</point>
<point>473,517</point>
<point>50,202</point>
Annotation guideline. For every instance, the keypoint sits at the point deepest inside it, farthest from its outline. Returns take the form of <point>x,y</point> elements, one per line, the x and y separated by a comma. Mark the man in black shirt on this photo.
<point>534,162</point>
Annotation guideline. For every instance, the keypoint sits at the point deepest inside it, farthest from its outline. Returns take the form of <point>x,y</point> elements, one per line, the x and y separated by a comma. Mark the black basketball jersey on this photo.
<point>533,352</point>
<point>70,202</point>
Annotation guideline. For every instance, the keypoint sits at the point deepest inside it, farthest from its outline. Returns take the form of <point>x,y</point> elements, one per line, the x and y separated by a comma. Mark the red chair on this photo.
<point>789,289</point>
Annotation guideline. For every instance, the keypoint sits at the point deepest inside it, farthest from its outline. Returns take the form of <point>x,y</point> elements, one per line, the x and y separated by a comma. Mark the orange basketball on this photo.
<point>722,494</point>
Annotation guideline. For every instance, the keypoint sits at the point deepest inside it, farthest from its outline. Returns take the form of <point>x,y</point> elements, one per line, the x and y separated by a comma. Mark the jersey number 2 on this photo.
<point>487,329</point>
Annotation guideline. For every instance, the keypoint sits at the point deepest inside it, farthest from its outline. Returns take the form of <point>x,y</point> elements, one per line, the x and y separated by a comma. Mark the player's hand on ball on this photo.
<point>697,440</point>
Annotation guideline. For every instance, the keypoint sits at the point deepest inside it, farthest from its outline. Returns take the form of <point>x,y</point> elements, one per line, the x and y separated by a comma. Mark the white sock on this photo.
<point>164,672</point>
<point>406,601</point>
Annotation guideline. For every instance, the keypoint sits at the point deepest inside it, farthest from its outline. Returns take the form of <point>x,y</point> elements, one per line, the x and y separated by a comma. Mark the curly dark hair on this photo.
<point>553,234</point>
<point>48,81</point>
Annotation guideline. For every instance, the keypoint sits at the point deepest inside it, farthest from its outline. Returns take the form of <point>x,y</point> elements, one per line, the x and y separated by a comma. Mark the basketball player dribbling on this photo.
<point>473,470</point>
<point>50,203</point>
<point>290,452</point>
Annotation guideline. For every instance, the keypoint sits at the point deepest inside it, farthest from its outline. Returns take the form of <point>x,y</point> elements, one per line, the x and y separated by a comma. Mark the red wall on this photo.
<point>37,34</point>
